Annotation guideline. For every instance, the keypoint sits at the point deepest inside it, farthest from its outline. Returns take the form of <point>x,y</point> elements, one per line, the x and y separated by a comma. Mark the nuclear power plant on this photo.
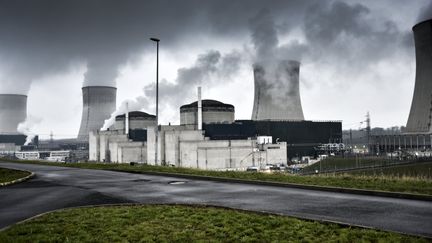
<point>277,92</point>
<point>208,136</point>
<point>99,102</point>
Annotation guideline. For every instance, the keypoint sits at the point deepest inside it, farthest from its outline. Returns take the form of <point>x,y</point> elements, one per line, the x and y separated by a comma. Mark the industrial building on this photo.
<point>301,137</point>
<point>212,112</point>
<point>183,145</point>
<point>125,141</point>
<point>209,137</point>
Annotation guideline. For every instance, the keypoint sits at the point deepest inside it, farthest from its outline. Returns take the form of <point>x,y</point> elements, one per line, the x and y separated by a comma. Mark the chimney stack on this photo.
<point>199,109</point>
<point>127,119</point>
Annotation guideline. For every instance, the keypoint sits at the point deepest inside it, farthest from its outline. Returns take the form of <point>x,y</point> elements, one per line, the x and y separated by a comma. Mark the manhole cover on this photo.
<point>176,182</point>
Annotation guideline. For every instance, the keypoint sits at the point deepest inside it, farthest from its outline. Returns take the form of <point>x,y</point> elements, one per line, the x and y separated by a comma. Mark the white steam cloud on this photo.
<point>210,69</point>
<point>27,126</point>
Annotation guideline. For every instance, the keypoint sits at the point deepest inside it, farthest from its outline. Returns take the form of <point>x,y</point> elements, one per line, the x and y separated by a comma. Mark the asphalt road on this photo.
<point>60,187</point>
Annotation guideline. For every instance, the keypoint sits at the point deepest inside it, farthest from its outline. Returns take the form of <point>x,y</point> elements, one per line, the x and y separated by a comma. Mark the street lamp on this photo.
<point>157,97</point>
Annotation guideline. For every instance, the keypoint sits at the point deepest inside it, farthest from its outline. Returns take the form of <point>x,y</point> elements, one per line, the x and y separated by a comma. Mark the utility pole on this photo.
<point>157,98</point>
<point>368,129</point>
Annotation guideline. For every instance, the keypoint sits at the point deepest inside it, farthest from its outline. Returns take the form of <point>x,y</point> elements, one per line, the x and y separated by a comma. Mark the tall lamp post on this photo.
<point>157,97</point>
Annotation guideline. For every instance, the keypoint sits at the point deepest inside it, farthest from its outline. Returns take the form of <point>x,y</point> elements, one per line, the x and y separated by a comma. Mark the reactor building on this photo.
<point>99,102</point>
<point>213,111</point>
<point>277,91</point>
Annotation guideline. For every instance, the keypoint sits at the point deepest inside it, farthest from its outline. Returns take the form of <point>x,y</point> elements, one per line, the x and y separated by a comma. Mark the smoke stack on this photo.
<point>277,92</point>
<point>13,110</point>
<point>98,104</point>
<point>127,119</point>
<point>419,120</point>
<point>199,109</point>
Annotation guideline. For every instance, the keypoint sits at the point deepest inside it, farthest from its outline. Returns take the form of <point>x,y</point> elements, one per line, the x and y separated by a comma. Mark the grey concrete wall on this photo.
<point>98,104</point>
<point>276,153</point>
<point>419,120</point>
<point>13,110</point>
<point>134,152</point>
<point>94,146</point>
<point>113,146</point>
<point>130,152</point>
<point>277,91</point>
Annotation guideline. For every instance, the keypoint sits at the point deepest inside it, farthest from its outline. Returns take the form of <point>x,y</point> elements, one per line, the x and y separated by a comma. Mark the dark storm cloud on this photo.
<point>348,36</point>
<point>43,37</point>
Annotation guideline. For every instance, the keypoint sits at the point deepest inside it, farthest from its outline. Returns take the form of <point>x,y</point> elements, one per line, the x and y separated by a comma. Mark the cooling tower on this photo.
<point>98,104</point>
<point>277,92</point>
<point>419,120</point>
<point>13,110</point>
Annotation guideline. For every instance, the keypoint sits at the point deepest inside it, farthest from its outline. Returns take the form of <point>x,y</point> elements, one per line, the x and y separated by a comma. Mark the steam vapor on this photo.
<point>27,126</point>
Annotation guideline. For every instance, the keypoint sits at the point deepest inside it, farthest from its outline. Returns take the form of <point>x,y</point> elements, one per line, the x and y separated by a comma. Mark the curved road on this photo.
<point>60,187</point>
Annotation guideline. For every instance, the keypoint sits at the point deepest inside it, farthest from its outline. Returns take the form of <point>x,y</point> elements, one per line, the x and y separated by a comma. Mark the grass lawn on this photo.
<point>369,182</point>
<point>7,175</point>
<point>414,169</point>
<point>418,170</point>
<point>167,223</point>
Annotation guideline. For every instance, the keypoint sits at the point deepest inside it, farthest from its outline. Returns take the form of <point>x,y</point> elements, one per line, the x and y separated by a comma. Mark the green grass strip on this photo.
<point>167,223</point>
<point>8,175</point>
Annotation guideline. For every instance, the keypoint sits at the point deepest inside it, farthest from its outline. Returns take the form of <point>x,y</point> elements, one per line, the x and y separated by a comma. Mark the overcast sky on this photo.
<point>356,56</point>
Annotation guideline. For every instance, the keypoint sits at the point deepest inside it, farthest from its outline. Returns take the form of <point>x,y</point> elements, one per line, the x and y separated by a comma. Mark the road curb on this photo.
<point>18,180</point>
<point>411,196</point>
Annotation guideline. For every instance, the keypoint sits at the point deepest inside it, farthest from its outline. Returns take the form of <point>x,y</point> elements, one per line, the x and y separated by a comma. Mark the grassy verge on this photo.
<point>7,175</point>
<point>377,182</point>
<point>165,223</point>
<point>334,164</point>
<point>418,170</point>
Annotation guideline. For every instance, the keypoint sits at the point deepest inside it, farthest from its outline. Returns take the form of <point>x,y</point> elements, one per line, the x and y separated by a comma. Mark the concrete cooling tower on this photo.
<point>277,92</point>
<point>13,110</point>
<point>419,120</point>
<point>98,104</point>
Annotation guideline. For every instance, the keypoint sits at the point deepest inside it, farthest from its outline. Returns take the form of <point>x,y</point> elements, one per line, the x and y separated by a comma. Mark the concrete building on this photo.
<point>277,92</point>
<point>212,112</point>
<point>420,116</point>
<point>99,102</point>
<point>125,141</point>
<point>13,111</point>
<point>181,147</point>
